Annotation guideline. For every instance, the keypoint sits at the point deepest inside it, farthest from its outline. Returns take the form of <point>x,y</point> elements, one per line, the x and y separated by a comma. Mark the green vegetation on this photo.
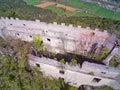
<point>111,26</point>
<point>73,62</point>
<point>83,9</point>
<point>61,11</point>
<point>105,52</point>
<point>16,74</point>
<point>7,5</point>
<point>22,11</point>
<point>18,8</point>
<point>38,42</point>
<point>113,63</point>
<point>62,61</point>
<point>32,2</point>
<point>105,88</point>
<point>93,9</point>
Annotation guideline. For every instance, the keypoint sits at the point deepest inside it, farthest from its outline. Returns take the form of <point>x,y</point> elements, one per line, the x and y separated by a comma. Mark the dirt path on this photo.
<point>43,5</point>
<point>66,7</point>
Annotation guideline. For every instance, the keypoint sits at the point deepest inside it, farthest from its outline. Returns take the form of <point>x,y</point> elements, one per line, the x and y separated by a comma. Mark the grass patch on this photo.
<point>61,11</point>
<point>94,9</point>
<point>90,8</point>
<point>32,2</point>
<point>83,14</point>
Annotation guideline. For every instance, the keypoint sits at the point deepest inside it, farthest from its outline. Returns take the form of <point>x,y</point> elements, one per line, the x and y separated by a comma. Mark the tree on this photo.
<point>38,43</point>
<point>15,76</point>
<point>62,61</point>
<point>73,62</point>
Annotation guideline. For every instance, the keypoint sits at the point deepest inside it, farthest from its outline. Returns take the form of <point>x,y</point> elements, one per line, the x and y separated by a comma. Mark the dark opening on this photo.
<point>41,42</point>
<point>92,33</point>
<point>38,65</point>
<point>48,39</point>
<point>18,34</point>
<point>61,72</point>
<point>75,83</point>
<point>10,24</point>
<point>30,36</point>
<point>96,80</point>
<point>24,25</point>
<point>103,72</point>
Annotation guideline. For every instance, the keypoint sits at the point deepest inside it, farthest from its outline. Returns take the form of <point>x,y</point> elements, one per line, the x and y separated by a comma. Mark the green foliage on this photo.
<point>105,88</point>
<point>33,13</point>
<point>65,86</point>
<point>9,4</point>
<point>105,52</point>
<point>18,8</point>
<point>62,61</point>
<point>15,74</point>
<point>13,77</point>
<point>2,43</point>
<point>73,62</point>
<point>113,63</point>
<point>38,43</point>
<point>111,26</point>
<point>32,2</point>
<point>93,9</point>
<point>12,14</point>
<point>61,11</point>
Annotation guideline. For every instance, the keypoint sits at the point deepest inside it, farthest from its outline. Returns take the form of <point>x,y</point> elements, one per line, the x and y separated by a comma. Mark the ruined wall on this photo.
<point>60,39</point>
<point>89,74</point>
<point>57,38</point>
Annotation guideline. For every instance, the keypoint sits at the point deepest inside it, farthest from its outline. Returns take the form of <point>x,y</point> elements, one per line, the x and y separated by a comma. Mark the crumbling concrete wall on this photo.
<point>89,74</point>
<point>57,38</point>
<point>61,39</point>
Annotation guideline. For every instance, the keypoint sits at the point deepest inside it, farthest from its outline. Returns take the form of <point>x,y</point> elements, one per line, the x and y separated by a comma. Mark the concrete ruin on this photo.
<point>59,38</point>
<point>88,74</point>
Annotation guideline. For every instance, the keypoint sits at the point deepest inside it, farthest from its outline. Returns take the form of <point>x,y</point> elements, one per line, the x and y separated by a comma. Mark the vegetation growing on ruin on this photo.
<point>111,26</point>
<point>73,62</point>
<point>14,70</point>
<point>16,74</point>
<point>105,88</point>
<point>113,62</point>
<point>62,61</point>
<point>38,42</point>
<point>104,53</point>
<point>18,8</point>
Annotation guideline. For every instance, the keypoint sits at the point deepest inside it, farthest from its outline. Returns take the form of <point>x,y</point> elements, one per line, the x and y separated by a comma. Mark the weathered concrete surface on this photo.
<point>90,74</point>
<point>58,38</point>
<point>62,39</point>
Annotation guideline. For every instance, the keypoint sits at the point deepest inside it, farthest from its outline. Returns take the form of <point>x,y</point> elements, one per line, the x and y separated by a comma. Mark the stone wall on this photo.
<point>61,39</point>
<point>57,38</point>
<point>88,74</point>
